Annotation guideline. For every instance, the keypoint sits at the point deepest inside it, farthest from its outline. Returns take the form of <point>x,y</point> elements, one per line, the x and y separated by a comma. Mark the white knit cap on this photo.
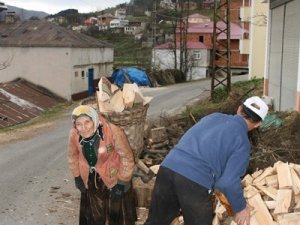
<point>257,105</point>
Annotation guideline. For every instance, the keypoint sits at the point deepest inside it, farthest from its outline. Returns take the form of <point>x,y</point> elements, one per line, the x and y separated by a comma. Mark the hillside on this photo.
<point>23,14</point>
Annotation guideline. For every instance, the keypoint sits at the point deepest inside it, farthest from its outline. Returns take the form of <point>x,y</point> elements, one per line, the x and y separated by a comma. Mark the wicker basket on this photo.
<point>131,120</point>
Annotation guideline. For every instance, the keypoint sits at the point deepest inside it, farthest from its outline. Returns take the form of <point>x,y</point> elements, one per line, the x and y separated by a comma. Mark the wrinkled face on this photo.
<point>85,126</point>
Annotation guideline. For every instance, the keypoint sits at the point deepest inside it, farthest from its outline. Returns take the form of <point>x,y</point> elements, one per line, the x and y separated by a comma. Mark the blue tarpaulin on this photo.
<point>130,74</point>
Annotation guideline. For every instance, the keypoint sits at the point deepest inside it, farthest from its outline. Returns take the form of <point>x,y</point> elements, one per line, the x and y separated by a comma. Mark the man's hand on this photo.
<point>243,217</point>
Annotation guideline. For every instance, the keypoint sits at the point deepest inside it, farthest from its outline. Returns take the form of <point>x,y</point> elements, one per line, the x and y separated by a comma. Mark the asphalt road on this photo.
<point>36,186</point>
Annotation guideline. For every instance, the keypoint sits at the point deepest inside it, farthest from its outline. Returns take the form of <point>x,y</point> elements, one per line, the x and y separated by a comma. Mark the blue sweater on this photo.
<point>215,154</point>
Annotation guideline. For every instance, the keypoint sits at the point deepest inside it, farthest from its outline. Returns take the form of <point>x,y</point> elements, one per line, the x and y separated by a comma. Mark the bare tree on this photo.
<point>6,63</point>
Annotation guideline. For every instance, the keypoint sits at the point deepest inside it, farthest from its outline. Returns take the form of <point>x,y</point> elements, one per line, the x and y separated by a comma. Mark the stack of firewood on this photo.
<point>157,146</point>
<point>113,99</point>
<point>274,194</point>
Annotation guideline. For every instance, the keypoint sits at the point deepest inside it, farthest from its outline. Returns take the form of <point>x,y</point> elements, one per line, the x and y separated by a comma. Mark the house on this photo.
<point>91,21</point>
<point>134,27</point>
<point>167,4</point>
<point>198,57</point>
<point>120,13</point>
<point>118,23</point>
<point>104,21</point>
<point>198,18</point>
<point>240,15</point>
<point>65,62</point>
<point>282,79</point>
<point>203,32</point>
<point>187,5</point>
<point>208,4</point>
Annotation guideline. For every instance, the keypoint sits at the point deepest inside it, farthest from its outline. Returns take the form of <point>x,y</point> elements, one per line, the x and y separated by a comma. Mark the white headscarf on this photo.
<point>85,110</point>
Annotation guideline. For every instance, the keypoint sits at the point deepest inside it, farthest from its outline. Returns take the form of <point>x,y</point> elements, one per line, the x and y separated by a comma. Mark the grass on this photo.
<point>224,102</point>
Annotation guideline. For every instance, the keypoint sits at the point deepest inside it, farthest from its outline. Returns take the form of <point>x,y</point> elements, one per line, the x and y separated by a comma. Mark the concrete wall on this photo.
<point>258,38</point>
<point>283,66</point>
<point>83,59</point>
<point>48,67</point>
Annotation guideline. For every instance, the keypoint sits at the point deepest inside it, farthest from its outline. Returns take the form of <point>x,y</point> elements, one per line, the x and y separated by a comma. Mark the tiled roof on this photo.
<point>22,101</point>
<point>40,33</point>
<point>190,45</point>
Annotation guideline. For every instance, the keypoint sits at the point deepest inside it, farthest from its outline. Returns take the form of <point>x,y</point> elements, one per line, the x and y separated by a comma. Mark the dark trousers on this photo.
<point>97,208</point>
<point>173,192</point>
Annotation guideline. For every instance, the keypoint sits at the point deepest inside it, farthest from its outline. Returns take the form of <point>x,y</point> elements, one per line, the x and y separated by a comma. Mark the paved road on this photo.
<point>35,184</point>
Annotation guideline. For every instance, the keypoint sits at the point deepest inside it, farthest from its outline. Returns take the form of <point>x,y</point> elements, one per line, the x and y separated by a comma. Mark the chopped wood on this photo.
<point>296,181</point>
<point>269,191</point>
<point>267,172</point>
<point>262,214</point>
<point>284,175</point>
<point>117,102</point>
<point>158,134</point>
<point>256,173</point>
<point>271,204</point>
<point>250,191</point>
<point>283,201</point>
<point>272,181</point>
<point>247,180</point>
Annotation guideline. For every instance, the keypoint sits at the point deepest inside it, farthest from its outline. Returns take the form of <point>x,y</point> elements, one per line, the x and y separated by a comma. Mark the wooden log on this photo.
<point>283,201</point>
<point>296,181</point>
<point>271,204</point>
<point>267,172</point>
<point>269,191</point>
<point>158,134</point>
<point>261,212</point>
<point>247,180</point>
<point>284,175</point>
<point>250,191</point>
<point>256,173</point>
<point>117,102</point>
<point>289,219</point>
<point>272,181</point>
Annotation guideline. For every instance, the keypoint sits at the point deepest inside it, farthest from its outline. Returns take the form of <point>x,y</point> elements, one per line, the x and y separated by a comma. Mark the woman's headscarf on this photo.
<point>85,110</point>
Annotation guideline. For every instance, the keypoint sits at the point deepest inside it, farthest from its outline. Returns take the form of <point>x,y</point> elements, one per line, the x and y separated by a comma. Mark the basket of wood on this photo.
<point>126,108</point>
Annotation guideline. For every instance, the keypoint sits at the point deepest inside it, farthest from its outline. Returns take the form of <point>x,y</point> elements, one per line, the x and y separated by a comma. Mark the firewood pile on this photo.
<point>274,194</point>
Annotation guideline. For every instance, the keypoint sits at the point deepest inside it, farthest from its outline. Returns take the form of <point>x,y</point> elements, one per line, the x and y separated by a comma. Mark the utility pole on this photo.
<point>221,59</point>
<point>154,24</point>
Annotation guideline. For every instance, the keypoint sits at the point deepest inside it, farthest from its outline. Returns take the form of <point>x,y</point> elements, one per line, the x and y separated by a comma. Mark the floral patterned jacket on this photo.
<point>115,157</point>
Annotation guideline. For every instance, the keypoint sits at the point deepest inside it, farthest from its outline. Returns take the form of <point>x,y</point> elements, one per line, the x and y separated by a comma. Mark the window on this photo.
<point>201,38</point>
<point>196,55</point>
<point>76,73</point>
<point>82,74</point>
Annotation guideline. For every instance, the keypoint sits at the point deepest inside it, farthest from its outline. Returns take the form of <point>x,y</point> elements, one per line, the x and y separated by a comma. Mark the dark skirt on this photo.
<point>96,207</point>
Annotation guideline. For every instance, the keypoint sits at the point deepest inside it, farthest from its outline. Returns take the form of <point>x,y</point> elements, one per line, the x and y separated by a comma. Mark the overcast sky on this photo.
<point>55,6</point>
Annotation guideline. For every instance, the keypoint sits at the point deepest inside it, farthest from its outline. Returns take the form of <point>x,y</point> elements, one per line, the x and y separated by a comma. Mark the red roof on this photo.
<point>236,32</point>
<point>190,45</point>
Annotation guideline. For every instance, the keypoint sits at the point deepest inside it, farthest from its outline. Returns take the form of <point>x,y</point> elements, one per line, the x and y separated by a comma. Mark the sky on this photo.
<point>55,6</point>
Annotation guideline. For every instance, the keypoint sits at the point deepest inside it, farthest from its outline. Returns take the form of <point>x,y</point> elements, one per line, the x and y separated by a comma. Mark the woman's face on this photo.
<point>85,126</point>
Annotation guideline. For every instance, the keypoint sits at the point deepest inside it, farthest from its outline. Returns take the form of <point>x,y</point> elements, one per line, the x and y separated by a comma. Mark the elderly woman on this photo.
<point>102,163</point>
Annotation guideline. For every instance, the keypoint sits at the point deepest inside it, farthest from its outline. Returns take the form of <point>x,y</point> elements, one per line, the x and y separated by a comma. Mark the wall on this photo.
<point>283,65</point>
<point>99,59</point>
<point>48,67</point>
<point>258,38</point>
<point>164,59</point>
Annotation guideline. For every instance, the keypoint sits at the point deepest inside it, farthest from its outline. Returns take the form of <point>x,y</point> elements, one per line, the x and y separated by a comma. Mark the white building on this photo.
<point>198,57</point>
<point>282,79</point>
<point>65,62</point>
